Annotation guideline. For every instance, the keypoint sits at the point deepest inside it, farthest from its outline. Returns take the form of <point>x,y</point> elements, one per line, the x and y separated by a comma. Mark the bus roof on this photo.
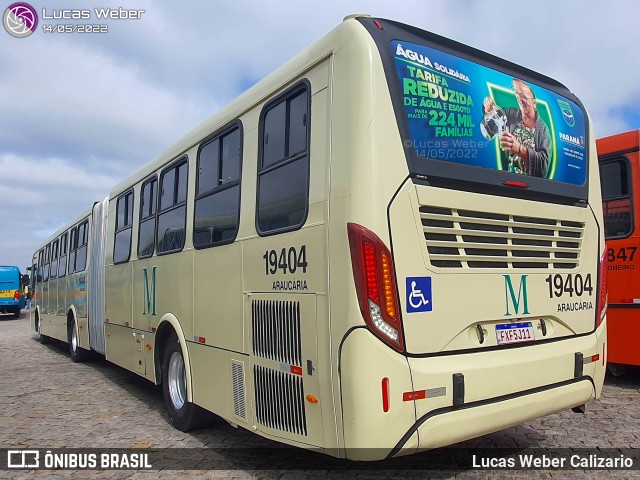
<point>6,268</point>
<point>349,31</point>
<point>619,143</point>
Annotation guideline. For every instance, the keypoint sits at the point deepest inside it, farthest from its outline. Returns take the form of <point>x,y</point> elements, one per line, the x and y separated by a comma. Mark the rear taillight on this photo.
<point>602,288</point>
<point>16,295</point>
<point>376,286</point>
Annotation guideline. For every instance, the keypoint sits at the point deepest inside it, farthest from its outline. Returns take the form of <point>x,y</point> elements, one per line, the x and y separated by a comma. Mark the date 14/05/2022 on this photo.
<point>77,28</point>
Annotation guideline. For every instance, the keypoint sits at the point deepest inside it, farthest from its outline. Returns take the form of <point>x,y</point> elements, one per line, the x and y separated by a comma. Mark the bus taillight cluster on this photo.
<point>376,285</point>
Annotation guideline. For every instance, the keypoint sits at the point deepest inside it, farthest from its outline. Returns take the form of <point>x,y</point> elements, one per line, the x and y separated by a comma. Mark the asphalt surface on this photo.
<point>48,402</point>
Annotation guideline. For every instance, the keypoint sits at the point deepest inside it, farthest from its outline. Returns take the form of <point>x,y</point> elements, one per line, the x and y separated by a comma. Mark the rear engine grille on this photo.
<point>279,400</point>
<point>276,331</point>
<point>471,239</point>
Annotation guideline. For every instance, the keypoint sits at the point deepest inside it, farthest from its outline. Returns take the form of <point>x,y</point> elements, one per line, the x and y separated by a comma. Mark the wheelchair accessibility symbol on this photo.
<point>419,298</point>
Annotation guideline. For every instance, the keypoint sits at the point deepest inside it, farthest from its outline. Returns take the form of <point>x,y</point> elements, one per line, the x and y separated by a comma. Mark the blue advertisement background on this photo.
<point>445,124</point>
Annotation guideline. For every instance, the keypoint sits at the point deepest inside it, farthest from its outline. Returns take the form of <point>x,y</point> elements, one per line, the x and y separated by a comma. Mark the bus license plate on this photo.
<point>6,293</point>
<point>515,333</point>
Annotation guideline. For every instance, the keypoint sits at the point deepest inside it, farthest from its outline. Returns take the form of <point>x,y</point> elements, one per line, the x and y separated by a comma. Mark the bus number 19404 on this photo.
<point>571,284</point>
<point>288,260</point>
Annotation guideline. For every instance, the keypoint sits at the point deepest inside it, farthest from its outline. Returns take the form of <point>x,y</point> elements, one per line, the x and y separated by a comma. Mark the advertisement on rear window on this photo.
<point>466,113</point>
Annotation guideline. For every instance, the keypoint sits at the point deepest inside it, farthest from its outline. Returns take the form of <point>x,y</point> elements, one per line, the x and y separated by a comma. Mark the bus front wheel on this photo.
<point>184,415</point>
<point>44,339</point>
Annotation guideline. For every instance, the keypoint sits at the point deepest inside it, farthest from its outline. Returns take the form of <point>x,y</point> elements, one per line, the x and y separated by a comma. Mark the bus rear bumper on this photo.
<point>456,424</point>
<point>394,404</point>
<point>486,391</point>
<point>11,307</point>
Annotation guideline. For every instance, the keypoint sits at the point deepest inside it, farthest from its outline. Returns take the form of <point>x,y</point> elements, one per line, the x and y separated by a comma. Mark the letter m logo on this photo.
<point>513,300</point>
<point>149,304</point>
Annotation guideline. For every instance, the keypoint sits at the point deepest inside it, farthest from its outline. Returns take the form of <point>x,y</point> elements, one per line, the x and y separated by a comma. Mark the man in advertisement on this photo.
<point>524,137</point>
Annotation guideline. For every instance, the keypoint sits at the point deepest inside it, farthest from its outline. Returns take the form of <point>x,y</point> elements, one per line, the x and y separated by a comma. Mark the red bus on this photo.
<point>620,181</point>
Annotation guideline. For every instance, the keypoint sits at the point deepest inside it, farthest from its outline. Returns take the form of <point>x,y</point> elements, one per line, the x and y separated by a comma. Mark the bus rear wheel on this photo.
<point>184,415</point>
<point>76,352</point>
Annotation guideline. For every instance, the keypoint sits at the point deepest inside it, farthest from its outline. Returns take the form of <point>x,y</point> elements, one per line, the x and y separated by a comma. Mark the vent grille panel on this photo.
<point>276,331</point>
<point>473,239</point>
<point>279,400</point>
<point>237,380</point>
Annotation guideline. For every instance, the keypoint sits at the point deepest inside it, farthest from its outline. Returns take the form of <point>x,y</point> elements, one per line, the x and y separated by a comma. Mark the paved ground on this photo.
<point>46,401</point>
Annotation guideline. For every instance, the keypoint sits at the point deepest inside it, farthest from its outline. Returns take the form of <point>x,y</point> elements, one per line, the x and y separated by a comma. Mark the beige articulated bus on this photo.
<point>392,243</point>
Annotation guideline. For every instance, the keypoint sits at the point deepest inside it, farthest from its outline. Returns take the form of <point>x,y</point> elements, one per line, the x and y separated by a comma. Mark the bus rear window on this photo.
<point>468,114</point>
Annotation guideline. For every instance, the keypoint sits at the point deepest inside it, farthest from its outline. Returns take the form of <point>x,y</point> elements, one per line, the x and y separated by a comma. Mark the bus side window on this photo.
<point>47,260</point>
<point>283,171</point>
<point>40,266</point>
<point>81,253</point>
<point>147,225</point>
<point>172,215</point>
<point>73,246</point>
<point>62,269</point>
<point>54,260</point>
<point>615,180</point>
<point>217,206</point>
<point>124,224</point>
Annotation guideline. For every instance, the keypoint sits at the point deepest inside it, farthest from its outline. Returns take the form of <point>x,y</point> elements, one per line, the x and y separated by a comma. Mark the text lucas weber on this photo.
<point>100,13</point>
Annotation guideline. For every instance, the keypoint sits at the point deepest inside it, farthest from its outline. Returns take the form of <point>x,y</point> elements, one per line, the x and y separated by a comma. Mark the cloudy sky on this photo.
<point>80,112</point>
